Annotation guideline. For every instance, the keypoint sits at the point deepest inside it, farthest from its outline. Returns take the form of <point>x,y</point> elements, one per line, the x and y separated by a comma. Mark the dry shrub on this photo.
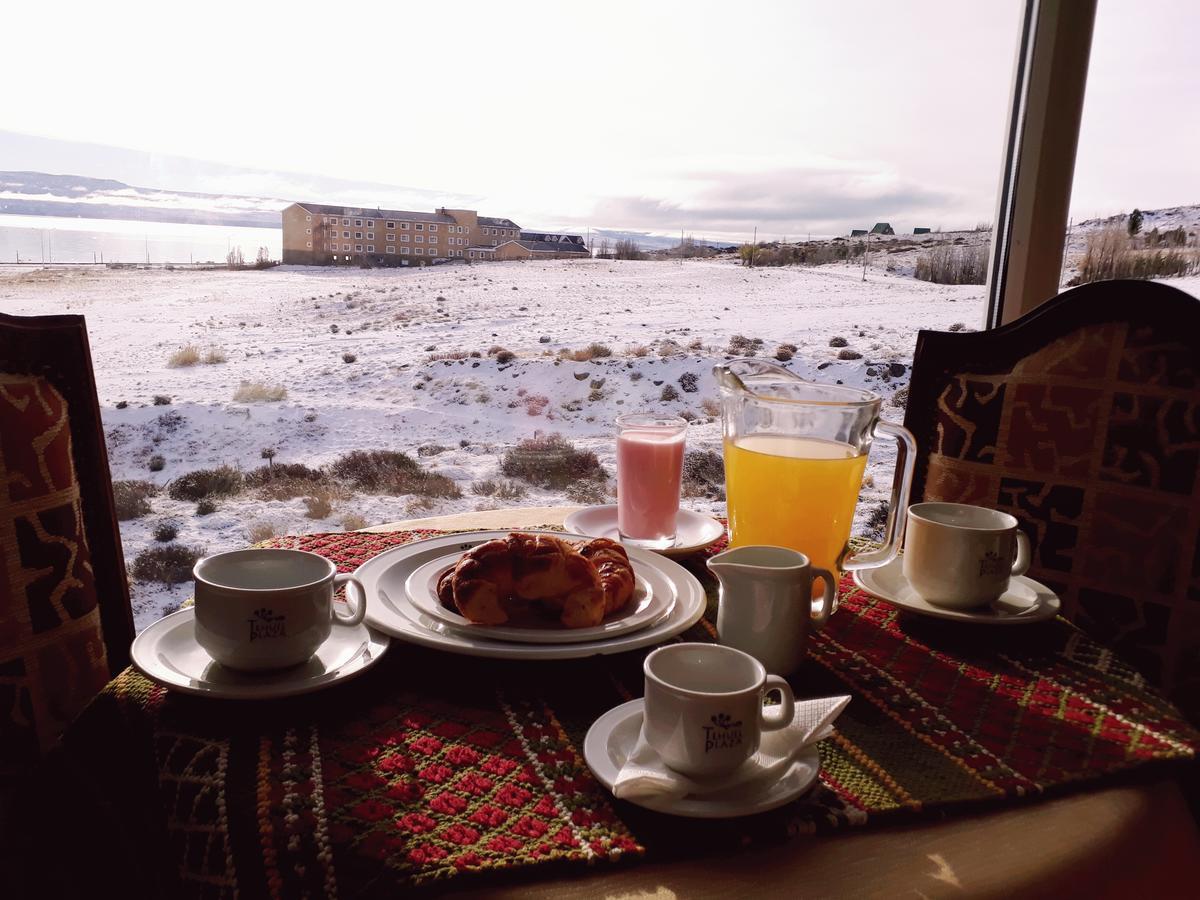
<point>1109,255</point>
<point>450,354</point>
<point>392,472</point>
<point>215,356</point>
<point>588,493</point>
<point>535,404</point>
<point>703,474</point>
<point>711,407</point>
<point>740,345</point>
<point>187,355</point>
<point>590,352</point>
<point>169,564</point>
<point>551,461</point>
<point>318,506</point>
<point>261,531</point>
<point>258,392</point>
<point>353,522</point>
<point>953,265</point>
<point>639,350</point>
<point>223,481</point>
<point>165,532</point>
<point>285,481</point>
<point>501,490</point>
<point>132,499</point>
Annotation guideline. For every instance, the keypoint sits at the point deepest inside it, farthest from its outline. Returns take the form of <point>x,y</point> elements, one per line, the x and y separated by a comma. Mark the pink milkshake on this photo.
<point>649,469</point>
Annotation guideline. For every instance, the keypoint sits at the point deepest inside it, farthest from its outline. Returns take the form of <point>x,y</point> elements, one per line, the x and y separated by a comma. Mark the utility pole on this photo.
<point>866,254</point>
<point>753,246</point>
<point>50,244</point>
<point>681,245</point>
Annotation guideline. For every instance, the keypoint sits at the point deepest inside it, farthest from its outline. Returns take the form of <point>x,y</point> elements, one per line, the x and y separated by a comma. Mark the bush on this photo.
<point>587,493</point>
<point>162,400</point>
<point>261,531</point>
<point>186,355</point>
<point>353,522</point>
<point>165,532</point>
<point>1109,255</point>
<point>783,355</point>
<point>318,506</point>
<point>505,356</point>
<point>223,481</point>
<point>215,356</point>
<point>849,354</point>
<point>206,508</point>
<point>689,382</point>
<point>156,463</point>
<point>257,392</point>
<point>132,499</point>
<point>590,352</point>
<point>122,404</point>
<point>628,249</point>
<point>171,564</point>
<point>501,490</point>
<point>711,407</point>
<point>703,474</point>
<point>392,472</point>
<point>551,461</point>
<point>668,393</point>
<point>431,449</point>
<point>953,265</point>
<point>349,357</point>
<point>838,342</point>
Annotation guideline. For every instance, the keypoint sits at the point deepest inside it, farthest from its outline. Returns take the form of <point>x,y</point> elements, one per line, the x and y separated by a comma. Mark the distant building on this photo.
<point>317,234</point>
<point>882,228</point>
<point>541,245</point>
<point>858,232</point>
<point>920,231</point>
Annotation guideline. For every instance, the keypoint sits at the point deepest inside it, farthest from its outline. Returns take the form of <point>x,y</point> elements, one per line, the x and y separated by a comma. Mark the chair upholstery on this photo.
<point>65,617</point>
<point>1082,419</point>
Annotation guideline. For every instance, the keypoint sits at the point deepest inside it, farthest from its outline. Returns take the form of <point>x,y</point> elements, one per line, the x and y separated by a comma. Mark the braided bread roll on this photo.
<point>499,578</point>
<point>616,574</point>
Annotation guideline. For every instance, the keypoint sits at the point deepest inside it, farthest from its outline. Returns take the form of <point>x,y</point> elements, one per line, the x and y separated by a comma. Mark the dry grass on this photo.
<point>703,474</point>
<point>711,407</point>
<point>590,352</point>
<point>588,493</point>
<point>318,506</point>
<point>551,461</point>
<point>258,392</point>
<point>953,265</point>
<point>132,499</point>
<point>501,490</point>
<point>392,472</point>
<point>215,356</point>
<point>1110,255</point>
<point>261,531</point>
<point>169,564</point>
<point>353,522</point>
<point>187,355</point>
<point>286,481</point>
<point>202,484</point>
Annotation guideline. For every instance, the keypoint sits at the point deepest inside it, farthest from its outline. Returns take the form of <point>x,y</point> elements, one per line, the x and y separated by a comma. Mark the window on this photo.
<point>346,247</point>
<point>391,249</point>
<point>358,248</point>
<point>405,250</point>
<point>432,227</point>
<point>391,237</point>
<point>345,234</point>
<point>404,226</point>
<point>358,235</point>
<point>404,238</point>
<point>391,224</point>
<point>420,238</point>
<point>420,226</point>
<point>344,221</point>
<point>419,251</point>
<point>370,248</point>
<point>472,253</point>
<point>370,235</point>
<point>370,223</point>
<point>358,223</point>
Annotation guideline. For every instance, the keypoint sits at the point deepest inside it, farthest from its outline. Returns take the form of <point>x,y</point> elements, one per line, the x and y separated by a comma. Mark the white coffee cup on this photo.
<point>267,609</point>
<point>959,556</point>
<point>766,607</point>
<point>704,706</point>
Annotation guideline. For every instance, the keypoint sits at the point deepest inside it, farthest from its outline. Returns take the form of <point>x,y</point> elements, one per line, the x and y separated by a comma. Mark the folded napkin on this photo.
<point>645,775</point>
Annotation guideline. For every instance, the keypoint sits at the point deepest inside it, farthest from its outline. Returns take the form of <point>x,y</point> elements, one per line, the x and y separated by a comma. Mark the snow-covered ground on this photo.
<point>357,353</point>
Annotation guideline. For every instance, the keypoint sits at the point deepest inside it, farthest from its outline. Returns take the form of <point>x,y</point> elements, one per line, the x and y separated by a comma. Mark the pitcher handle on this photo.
<point>893,534</point>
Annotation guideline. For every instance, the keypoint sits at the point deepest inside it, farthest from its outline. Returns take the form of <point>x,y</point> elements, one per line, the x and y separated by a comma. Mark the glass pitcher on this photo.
<point>795,452</point>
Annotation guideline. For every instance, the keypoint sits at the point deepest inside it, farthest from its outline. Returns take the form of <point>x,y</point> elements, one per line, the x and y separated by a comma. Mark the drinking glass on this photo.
<point>649,470</point>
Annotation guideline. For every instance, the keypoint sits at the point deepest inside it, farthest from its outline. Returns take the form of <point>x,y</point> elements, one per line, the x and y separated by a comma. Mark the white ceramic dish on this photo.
<point>612,737</point>
<point>695,531</point>
<point>647,605</point>
<point>167,652</point>
<point>391,611</point>
<point>1026,601</point>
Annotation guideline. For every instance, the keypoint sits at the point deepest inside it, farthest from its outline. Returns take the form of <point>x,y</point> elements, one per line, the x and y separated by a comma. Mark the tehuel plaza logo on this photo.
<point>723,733</point>
<point>265,624</point>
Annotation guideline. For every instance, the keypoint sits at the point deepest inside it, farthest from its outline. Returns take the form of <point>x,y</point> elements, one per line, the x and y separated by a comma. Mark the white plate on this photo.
<point>1026,601</point>
<point>167,652</point>
<point>390,610</point>
<point>613,735</point>
<point>694,530</point>
<point>647,605</point>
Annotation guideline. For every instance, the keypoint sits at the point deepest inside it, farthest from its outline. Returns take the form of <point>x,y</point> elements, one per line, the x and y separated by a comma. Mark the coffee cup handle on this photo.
<point>780,715</point>
<point>823,608</point>
<point>1021,564</point>
<point>357,610</point>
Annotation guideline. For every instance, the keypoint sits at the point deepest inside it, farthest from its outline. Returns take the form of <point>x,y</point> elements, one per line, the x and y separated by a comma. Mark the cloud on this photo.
<point>783,201</point>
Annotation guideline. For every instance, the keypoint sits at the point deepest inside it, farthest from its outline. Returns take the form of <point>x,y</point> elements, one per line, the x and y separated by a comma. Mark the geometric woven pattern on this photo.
<point>434,767</point>
<point>1083,421</point>
<point>52,656</point>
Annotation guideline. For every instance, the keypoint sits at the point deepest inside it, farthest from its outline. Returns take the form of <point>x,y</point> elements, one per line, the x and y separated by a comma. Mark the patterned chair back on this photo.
<point>65,617</point>
<point>1082,419</point>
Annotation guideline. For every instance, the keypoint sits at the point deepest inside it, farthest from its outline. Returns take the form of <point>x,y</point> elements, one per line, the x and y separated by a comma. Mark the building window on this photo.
<point>420,238</point>
<point>404,226</point>
<point>346,247</point>
<point>391,224</point>
<point>345,234</point>
<point>345,221</point>
<point>358,248</point>
<point>404,238</point>
<point>358,235</point>
<point>472,253</point>
<point>391,249</point>
<point>370,248</point>
<point>358,223</point>
<point>420,226</point>
<point>405,250</point>
<point>433,227</point>
<point>420,251</point>
<point>391,237</point>
<point>370,223</point>
<point>370,235</point>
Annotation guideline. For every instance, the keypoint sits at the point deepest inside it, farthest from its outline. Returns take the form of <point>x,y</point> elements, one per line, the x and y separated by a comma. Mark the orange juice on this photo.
<point>796,492</point>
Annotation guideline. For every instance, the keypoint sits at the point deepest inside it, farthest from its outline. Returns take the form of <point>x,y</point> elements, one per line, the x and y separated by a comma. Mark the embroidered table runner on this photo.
<point>434,767</point>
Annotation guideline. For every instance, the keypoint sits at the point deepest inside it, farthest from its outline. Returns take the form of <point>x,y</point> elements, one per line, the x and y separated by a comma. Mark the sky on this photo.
<point>793,117</point>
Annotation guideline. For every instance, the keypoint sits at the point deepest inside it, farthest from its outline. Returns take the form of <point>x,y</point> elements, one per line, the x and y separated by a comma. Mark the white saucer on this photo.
<point>645,607</point>
<point>392,612</point>
<point>694,530</point>
<point>167,652</point>
<point>1026,601</point>
<point>614,734</point>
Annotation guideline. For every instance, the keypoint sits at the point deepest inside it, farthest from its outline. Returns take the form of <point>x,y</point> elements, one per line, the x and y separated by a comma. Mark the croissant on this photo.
<point>507,576</point>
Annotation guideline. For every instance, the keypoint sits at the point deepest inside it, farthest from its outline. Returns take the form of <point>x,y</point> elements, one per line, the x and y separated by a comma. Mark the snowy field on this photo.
<point>367,359</point>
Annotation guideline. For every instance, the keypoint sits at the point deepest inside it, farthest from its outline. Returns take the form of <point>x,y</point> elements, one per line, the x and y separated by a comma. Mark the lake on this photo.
<point>57,239</point>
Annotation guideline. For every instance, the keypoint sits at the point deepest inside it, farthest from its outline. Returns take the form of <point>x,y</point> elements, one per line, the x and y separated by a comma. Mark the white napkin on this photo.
<point>644,774</point>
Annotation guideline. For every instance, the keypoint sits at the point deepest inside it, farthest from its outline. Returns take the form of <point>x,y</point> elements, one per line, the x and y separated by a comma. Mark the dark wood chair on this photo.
<point>1082,419</point>
<point>65,617</point>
